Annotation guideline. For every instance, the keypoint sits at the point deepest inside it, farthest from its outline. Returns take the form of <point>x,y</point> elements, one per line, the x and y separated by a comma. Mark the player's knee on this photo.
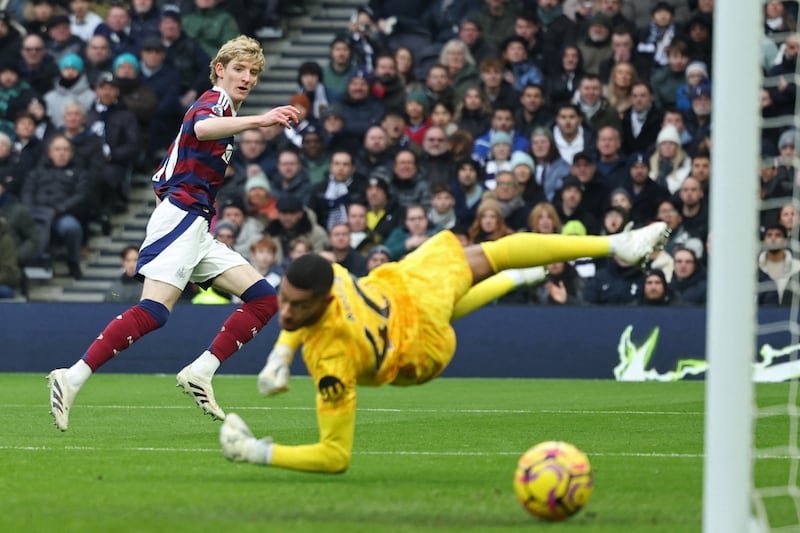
<point>259,289</point>
<point>155,309</point>
<point>261,299</point>
<point>479,262</point>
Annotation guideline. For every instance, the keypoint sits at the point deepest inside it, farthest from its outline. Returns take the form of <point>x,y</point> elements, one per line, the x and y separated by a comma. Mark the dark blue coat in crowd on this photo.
<point>165,82</point>
<point>692,290</point>
<point>191,61</point>
<point>615,284</point>
<point>359,115</point>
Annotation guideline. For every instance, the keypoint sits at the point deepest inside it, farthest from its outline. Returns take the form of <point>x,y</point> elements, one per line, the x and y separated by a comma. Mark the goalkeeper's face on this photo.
<point>300,307</point>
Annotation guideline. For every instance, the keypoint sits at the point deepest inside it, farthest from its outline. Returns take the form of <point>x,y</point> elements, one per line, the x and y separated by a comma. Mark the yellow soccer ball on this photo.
<point>553,480</point>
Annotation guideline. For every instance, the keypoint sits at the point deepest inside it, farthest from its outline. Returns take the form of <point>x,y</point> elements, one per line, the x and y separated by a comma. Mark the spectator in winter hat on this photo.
<point>499,156</point>
<point>72,85</point>
<point>259,199</point>
<point>698,121</point>
<point>225,232</point>
<point>417,110</point>
<point>71,61</point>
<point>137,96</point>
<point>377,256</point>
<point>420,98</point>
<point>696,73</point>
<point>787,139</point>
<point>126,58</point>
<point>669,164</point>
<point>697,68</point>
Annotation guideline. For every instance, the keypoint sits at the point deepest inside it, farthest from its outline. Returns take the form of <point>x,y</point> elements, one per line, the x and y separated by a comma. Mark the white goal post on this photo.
<point>731,314</point>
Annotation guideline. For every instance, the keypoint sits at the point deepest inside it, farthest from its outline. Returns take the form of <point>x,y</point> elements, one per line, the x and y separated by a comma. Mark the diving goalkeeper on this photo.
<point>393,326</point>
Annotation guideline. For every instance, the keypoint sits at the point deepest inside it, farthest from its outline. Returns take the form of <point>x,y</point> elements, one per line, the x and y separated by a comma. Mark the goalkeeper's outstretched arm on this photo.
<point>335,447</point>
<point>274,377</point>
<point>336,417</point>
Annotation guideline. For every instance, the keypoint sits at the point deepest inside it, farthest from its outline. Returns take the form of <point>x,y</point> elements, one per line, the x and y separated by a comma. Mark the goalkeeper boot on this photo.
<point>634,247</point>
<point>199,388</point>
<point>62,395</point>
<point>239,443</point>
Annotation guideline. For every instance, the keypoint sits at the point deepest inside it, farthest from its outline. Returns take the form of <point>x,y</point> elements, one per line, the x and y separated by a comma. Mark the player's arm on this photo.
<point>334,374</point>
<point>274,377</point>
<point>336,417</point>
<point>215,127</point>
<point>337,422</point>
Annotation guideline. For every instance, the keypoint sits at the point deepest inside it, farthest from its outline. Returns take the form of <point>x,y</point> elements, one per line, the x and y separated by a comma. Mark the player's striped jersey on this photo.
<point>192,170</point>
<point>366,330</point>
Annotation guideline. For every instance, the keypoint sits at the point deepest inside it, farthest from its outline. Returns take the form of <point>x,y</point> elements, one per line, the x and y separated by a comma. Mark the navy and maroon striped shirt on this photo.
<point>192,170</point>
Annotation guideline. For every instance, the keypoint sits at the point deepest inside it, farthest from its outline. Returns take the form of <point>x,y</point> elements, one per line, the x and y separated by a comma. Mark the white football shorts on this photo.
<point>178,248</point>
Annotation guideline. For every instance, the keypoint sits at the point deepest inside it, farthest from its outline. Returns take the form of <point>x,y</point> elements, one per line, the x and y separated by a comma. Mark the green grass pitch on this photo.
<point>140,457</point>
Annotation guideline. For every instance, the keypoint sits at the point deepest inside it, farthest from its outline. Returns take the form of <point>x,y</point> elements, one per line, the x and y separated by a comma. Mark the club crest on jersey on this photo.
<point>228,153</point>
<point>331,388</point>
<point>218,109</point>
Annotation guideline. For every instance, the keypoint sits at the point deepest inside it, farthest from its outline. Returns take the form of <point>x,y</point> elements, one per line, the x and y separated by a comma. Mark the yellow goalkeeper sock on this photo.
<point>522,250</point>
<point>495,287</point>
<point>484,292</point>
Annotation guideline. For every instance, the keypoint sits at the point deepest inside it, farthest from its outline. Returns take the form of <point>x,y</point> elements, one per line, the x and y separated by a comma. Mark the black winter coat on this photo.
<point>65,189</point>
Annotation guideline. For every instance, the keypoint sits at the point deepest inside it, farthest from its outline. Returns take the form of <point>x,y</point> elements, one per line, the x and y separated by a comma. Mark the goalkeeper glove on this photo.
<point>274,377</point>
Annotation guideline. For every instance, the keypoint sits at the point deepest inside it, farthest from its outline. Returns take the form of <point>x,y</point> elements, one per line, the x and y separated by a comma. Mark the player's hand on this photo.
<point>287,116</point>
<point>557,291</point>
<point>274,377</point>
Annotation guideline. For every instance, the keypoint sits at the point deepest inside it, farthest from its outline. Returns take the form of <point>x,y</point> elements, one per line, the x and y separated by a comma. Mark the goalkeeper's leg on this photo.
<point>495,287</point>
<point>522,250</point>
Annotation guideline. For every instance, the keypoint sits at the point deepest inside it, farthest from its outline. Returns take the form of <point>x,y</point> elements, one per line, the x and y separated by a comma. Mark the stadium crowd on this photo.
<point>484,117</point>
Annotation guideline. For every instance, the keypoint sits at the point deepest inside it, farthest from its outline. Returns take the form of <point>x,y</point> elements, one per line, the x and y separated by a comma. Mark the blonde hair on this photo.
<point>242,48</point>
<point>620,97</point>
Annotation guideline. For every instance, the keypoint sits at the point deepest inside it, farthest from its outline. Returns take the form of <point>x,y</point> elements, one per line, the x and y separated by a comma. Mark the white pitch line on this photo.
<point>644,455</point>
<point>394,410</point>
<point>370,452</point>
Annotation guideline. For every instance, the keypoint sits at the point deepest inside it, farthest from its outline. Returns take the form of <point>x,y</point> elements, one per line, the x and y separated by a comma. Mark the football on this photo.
<point>553,480</point>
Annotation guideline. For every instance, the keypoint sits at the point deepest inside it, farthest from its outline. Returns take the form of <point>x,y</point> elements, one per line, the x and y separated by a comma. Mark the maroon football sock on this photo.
<point>120,333</point>
<point>242,326</point>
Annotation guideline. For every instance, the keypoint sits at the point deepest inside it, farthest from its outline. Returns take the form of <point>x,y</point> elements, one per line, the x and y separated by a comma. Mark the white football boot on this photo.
<point>199,388</point>
<point>634,247</point>
<point>62,396</point>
